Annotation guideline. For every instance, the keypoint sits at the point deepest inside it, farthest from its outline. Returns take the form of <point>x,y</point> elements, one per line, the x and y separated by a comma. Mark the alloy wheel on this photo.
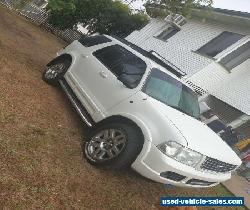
<point>106,145</point>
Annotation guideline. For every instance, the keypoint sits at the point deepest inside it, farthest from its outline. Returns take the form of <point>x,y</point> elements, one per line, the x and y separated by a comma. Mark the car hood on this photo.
<point>198,135</point>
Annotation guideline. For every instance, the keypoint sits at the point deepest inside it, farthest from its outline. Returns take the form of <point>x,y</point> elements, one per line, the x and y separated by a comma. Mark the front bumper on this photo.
<point>153,164</point>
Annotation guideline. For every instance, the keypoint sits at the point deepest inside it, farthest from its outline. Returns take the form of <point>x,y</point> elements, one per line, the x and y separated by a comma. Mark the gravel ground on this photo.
<point>41,164</point>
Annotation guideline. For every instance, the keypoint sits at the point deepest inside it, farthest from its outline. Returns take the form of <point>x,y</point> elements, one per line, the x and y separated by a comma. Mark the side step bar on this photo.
<point>76,103</point>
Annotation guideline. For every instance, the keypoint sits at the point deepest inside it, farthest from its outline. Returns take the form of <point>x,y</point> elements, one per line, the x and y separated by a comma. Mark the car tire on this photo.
<point>123,141</point>
<point>55,70</point>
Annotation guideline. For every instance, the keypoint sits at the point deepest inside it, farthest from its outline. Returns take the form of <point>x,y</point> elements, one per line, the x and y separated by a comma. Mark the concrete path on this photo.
<point>240,187</point>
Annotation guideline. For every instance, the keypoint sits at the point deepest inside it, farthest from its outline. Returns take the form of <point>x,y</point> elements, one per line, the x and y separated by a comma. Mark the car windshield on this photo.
<point>172,92</point>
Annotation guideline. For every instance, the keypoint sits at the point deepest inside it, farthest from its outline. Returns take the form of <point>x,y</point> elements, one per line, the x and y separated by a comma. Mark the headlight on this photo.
<point>180,153</point>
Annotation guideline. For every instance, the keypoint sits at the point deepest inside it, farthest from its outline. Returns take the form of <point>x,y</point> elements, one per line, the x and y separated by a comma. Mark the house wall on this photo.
<point>232,88</point>
<point>179,49</point>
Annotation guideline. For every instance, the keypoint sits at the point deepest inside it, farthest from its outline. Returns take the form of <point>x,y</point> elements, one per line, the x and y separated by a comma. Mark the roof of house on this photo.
<point>218,10</point>
<point>222,15</point>
<point>232,12</point>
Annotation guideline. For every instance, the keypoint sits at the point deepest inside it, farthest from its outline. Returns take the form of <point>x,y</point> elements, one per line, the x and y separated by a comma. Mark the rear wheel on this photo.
<point>113,145</point>
<point>55,71</point>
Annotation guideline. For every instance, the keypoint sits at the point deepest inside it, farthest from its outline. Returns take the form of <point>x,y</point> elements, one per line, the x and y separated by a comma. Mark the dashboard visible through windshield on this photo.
<point>172,92</point>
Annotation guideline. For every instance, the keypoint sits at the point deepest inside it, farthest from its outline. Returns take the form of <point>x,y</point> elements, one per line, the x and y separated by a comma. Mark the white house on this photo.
<point>213,49</point>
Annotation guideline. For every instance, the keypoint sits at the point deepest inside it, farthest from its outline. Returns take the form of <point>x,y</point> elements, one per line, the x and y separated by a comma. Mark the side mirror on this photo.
<point>127,80</point>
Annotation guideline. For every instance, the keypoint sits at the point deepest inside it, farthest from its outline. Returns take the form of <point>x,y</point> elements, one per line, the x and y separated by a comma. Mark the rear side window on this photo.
<point>121,61</point>
<point>90,41</point>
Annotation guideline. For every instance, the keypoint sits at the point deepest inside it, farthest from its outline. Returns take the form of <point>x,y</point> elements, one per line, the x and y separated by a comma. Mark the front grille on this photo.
<point>212,164</point>
<point>172,176</point>
<point>199,182</point>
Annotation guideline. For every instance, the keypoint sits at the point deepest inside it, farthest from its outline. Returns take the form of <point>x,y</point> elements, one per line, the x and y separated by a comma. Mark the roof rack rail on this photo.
<point>154,56</point>
<point>182,73</point>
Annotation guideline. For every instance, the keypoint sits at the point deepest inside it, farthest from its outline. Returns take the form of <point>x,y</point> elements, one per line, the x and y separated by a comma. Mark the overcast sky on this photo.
<point>238,5</point>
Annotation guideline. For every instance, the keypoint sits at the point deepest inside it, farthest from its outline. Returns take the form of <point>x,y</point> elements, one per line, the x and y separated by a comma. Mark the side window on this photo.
<point>219,43</point>
<point>236,57</point>
<point>167,33</point>
<point>121,61</point>
<point>90,41</point>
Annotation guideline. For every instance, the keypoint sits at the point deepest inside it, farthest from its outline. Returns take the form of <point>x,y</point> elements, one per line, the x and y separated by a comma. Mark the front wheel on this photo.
<point>113,145</point>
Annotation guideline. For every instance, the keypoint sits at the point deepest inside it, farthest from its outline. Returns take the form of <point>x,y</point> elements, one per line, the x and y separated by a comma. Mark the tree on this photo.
<point>162,8</point>
<point>62,13</point>
<point>117,19</point>
<point>99,16</point>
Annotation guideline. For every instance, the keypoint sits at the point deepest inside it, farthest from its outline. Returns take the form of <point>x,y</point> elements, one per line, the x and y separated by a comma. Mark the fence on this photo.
<point>40,17</point>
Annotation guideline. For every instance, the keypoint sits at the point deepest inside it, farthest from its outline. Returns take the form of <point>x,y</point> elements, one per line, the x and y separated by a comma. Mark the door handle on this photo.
<point>84,56</point>
<point>103,74</point>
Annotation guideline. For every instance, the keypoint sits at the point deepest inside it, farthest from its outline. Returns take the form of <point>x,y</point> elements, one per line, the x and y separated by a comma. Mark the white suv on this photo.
<point>142,115</point>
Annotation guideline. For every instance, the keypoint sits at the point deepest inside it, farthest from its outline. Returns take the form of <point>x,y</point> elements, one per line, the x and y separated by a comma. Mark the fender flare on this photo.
<point>134,119</point>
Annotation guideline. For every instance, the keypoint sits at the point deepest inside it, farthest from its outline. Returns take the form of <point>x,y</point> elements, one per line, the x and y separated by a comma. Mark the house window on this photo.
<point>167,33</point>
<point>236,57</point>
<point>219,43</point>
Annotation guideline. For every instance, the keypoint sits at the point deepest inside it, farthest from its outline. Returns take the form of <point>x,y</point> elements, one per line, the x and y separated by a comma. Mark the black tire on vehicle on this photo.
<point>55,70</point>
<point>103,139</point>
